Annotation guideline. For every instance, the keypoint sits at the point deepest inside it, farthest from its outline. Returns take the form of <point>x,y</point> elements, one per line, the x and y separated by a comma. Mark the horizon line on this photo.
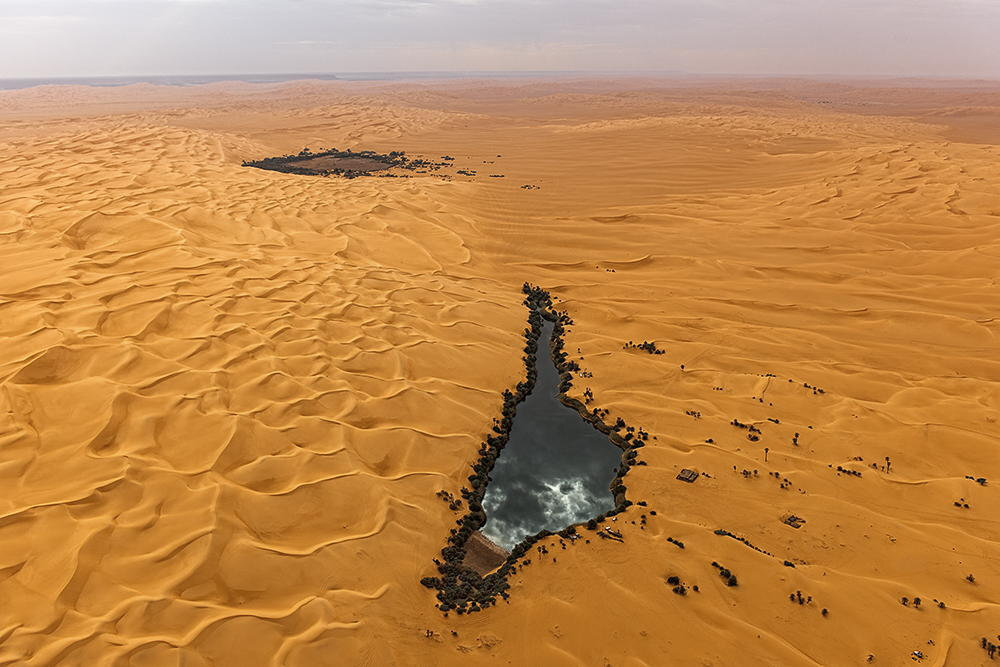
<point>473,73</point>
<point>387,76</point>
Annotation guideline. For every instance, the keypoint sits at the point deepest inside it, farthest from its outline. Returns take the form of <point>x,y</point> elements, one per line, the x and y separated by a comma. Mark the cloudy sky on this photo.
<point>56,38</point>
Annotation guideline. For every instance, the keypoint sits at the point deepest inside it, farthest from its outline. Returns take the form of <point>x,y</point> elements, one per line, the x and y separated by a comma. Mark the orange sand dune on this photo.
<point>229,396</point>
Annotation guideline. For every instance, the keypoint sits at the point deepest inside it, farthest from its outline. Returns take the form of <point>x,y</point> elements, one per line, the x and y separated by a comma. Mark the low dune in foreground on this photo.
<point>229,397</point>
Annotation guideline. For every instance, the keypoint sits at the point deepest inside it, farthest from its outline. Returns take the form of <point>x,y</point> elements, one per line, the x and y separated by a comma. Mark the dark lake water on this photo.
<point>556,468</point>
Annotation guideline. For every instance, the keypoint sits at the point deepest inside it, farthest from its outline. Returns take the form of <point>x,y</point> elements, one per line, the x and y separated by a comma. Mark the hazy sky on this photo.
<point>124,37</point>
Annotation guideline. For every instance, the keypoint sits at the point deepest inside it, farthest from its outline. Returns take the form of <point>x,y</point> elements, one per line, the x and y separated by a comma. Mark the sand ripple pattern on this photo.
<point>228,397</point>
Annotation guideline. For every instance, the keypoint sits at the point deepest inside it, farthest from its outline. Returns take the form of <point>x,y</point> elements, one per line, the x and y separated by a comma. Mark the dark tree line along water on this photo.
<point>355,163</point>
<point>462,589</point>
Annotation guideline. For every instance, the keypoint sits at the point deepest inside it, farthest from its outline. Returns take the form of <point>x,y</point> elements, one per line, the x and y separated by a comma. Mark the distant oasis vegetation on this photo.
<point>348,163</point>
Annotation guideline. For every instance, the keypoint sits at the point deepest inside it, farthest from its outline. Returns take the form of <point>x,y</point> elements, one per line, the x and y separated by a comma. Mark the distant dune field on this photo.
<point>229,396</point>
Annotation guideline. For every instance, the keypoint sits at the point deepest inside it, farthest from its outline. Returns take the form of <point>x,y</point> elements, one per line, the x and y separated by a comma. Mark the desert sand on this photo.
<point>229,397</point>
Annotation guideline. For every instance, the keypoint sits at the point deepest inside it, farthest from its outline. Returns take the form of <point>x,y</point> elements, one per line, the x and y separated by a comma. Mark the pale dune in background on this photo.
<point>229,396</point>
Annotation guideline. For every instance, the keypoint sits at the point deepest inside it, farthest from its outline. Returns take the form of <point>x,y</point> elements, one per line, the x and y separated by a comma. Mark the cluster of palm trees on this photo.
<point>726,574</point>
<point>293,163</point>
<point>645,346</point>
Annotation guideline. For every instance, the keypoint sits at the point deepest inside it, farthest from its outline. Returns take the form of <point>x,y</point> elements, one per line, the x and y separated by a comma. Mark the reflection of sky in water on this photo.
<point>554,471</point>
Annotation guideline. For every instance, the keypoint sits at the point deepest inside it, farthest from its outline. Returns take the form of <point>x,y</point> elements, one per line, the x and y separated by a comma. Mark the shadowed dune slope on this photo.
<point>228,397</point>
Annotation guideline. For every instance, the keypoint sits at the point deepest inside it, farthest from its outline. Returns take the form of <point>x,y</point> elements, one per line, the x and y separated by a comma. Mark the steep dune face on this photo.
<point>228,397</point>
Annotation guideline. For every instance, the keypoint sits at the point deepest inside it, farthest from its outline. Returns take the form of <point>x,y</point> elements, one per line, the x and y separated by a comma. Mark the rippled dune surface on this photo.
<point>228,397</point>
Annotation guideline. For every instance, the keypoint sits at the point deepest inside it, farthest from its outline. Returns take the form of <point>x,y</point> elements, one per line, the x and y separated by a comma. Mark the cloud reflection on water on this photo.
<point>555,470</point>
